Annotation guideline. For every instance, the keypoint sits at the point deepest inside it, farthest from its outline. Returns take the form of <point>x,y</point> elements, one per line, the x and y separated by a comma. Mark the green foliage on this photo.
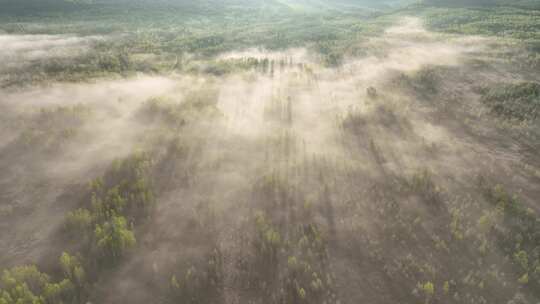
<point>123,193</point>
<point>293,267</point>
<point>510,23</point>
<point>61,292</point>
<point>73,270</point>
<point>112,203</point>
<point>307,278</point>
<point>222,67</point>
<point>517,101</point>
<point>518,235</point>
<point>126,189</point>
<point>267,242</point>
<point>26,285</point>
<point>115,63</point>
<point>198,105</point>
<point>78,221</point>
<point>102,231</point>
<point>422,183</point>
<point>201,282</point>
<point>532,4</point>
<point>181,35</point>
<point>114,238</point>
<point>446,287</point>
<point>428,288</point>
<point>465,252</point>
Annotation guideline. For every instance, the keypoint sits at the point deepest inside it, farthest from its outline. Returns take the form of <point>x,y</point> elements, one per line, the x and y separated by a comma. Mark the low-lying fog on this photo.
<point>20,50</point>
<point>360,125</point>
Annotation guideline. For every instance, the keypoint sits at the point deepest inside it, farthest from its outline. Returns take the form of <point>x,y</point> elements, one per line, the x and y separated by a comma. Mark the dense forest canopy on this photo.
<point>532,4</point>
<point>269,151</point>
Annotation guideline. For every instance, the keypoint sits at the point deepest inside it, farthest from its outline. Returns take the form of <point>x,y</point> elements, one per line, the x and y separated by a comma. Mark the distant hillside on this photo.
<point>375,4</point>
<point>24,8</point>
<point>531,4</point>
<point>40,6</point>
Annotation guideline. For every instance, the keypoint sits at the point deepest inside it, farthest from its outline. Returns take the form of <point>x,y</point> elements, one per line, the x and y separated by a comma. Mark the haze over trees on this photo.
<point>269,151</point>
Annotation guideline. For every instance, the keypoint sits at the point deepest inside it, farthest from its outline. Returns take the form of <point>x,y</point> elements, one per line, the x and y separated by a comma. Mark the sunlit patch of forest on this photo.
<point>269,151</point>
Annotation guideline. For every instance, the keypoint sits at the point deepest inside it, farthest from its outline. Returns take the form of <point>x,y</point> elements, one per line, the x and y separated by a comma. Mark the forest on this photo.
<point>269,151</point>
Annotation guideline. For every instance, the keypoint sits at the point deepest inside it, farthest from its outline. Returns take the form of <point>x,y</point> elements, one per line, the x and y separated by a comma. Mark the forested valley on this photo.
<point>269,151</point>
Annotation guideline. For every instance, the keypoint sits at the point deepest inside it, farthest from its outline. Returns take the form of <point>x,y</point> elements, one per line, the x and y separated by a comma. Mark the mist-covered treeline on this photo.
<point>532,4</point>
<point>269,152</point>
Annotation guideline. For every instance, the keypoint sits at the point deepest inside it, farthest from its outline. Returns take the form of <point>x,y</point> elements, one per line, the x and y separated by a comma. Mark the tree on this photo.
<point>78,221</point>
<point>24,284</point>
<point>74,272</point>
<point>113,238</point>
<point>27,285</point>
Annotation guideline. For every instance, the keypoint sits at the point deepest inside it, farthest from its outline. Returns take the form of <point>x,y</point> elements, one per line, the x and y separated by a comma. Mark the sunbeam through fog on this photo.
<point>269,152</point>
